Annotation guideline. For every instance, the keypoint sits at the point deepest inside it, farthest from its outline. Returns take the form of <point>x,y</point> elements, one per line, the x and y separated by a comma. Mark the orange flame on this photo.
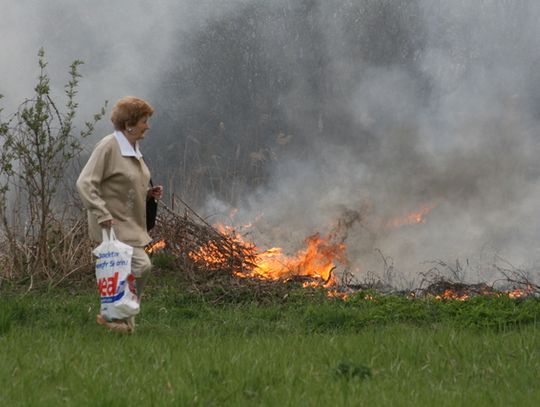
<point>210,254</point>
<point>337,294</point>
<point>315,261</point>
<point>452,295</point>
<point>153,247</point>
<point>412,218</point>
<point>520,292</point>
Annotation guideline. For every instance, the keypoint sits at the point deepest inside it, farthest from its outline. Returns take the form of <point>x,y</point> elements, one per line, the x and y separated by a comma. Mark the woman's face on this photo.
<point>138,131</point>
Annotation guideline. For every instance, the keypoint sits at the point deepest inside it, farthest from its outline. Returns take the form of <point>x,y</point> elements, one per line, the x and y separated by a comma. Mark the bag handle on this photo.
<point>106,236</point>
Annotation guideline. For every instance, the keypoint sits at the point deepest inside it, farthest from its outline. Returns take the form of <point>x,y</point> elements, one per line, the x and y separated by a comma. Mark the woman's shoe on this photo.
<point>120,326</point>
<point>131,324</point>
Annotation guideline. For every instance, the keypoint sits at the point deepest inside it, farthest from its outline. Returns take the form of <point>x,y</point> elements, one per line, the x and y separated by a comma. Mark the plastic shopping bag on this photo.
<point>114,279</point>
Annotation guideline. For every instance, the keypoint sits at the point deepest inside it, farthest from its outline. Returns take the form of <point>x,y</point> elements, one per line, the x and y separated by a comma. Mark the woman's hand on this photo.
<point>107,224</point>
<point>155,192</point>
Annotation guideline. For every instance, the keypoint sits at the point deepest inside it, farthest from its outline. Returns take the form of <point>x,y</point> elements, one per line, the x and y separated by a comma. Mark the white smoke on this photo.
<point>446,110</point>
<point>468,146</point>
<point>126,45</point>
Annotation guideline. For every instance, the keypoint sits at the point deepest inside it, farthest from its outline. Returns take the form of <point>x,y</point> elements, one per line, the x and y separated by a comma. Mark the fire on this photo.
<point>369,297</point>
<point>153,247</point>
<point>337,294</point>
<point>516,293</point>
<point>315,262</point>
<point>452,295</point>
<point>412,218</point>
<point>463,295</point>
<point>211,254</point>
<point>520,292</point>
<point>223,248</point>
<point>208,255</point>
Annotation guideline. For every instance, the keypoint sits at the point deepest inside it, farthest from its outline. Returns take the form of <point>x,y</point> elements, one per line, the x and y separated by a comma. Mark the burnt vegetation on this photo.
<point>221,267</point>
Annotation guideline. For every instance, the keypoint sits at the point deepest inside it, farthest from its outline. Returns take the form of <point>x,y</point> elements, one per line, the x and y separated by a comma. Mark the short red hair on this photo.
<point>128,111</point>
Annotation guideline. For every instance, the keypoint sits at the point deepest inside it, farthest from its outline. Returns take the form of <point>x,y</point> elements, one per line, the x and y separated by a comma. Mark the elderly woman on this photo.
<point>113,186</point>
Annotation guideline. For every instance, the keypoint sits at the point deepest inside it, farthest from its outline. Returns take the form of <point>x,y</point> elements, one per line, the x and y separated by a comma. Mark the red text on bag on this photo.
<point>107,285</point>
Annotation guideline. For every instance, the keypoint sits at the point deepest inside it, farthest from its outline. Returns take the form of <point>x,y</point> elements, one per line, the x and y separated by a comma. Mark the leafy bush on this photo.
<point>38,146</point>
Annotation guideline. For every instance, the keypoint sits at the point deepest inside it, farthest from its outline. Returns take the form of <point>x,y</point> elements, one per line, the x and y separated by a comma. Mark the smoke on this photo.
<point>374,106</point>
<point>440,108</point>
<point>127,46</point>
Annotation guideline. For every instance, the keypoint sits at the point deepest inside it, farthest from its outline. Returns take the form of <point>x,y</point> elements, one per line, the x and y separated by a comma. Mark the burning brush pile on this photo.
<point>212,256</point>
<point>218,259</point>
<point>443,289</point>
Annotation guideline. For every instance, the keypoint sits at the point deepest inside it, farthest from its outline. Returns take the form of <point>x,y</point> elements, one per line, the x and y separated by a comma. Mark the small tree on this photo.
<point>37,146</point>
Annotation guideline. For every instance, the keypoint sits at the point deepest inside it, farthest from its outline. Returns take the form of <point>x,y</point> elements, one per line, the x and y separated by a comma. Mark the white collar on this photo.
<point>126,149</point>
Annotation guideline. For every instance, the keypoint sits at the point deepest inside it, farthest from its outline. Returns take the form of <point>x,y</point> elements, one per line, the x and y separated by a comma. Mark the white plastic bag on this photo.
<point>114,279</point>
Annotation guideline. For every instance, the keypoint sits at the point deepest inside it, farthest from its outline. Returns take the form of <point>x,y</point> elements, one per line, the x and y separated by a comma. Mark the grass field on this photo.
<point>302,351</point>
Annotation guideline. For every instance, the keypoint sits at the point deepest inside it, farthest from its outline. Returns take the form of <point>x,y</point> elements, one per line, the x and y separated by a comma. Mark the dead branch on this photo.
<point>198,246</point>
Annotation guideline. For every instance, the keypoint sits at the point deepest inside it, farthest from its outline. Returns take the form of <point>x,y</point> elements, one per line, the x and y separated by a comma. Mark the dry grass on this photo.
<point>69,259</point>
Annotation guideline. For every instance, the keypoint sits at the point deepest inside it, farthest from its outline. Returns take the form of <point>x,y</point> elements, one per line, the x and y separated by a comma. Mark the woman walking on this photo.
<point>113,186</point>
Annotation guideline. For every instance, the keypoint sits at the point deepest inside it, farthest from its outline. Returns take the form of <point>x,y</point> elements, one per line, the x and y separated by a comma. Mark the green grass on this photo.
<point>305,351</point>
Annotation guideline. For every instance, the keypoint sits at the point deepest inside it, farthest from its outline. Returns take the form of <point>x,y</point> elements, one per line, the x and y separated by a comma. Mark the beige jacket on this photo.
<point>113,186</point>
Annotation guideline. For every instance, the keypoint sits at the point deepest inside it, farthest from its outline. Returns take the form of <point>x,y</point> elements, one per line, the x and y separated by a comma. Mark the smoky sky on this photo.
<point>296,112</point>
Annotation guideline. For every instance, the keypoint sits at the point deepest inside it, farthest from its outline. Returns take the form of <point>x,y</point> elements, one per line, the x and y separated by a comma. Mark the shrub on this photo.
<point>38,146</point>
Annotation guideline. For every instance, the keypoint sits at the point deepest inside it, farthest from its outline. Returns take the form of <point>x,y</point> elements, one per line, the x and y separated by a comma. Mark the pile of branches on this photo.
<point>214,263</point>
<point>436,283</point>
<point>442,287</point>
<point>218,264</point>
<point>199,247</point>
